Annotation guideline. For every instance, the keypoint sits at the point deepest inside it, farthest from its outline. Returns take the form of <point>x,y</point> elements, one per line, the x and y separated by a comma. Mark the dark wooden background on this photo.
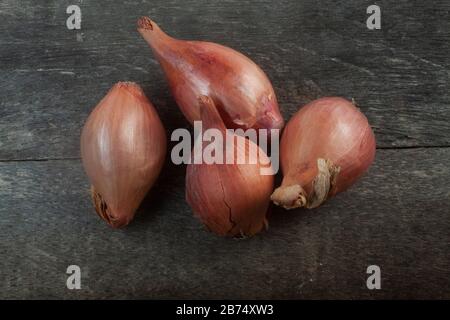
<point>396,217</point>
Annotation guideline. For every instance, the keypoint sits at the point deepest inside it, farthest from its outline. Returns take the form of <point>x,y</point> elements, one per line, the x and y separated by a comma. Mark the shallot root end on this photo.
<point>103,211</point>
<point>289,197</point>
<point>293,196</point>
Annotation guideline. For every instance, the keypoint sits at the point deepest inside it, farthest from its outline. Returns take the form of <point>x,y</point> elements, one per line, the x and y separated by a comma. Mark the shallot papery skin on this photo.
<point>240,89</point>
<point>230,199</point>
<point>326,146</point>
<point>123,146</point>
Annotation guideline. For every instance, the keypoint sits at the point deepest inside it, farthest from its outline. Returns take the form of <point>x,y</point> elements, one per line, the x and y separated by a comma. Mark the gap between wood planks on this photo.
<point>78,158</point>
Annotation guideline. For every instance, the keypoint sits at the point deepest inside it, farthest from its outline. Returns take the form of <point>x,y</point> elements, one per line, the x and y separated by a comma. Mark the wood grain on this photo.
<point>396,217</point>
<point>53,77</point>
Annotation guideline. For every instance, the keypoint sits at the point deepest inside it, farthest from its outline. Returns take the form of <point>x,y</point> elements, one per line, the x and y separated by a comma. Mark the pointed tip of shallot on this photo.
<point>132,87</point>
<point>145,23</point>
<point>152,33</point>
<point>128,84</point>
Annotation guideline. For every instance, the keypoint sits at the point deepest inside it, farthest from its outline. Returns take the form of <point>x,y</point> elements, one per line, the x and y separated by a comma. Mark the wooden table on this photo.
<point>397,217</point>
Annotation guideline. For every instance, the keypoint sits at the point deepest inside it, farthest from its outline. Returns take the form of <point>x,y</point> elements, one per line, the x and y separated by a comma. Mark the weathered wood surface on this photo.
<point>397,217</point>
<point>52,77</point>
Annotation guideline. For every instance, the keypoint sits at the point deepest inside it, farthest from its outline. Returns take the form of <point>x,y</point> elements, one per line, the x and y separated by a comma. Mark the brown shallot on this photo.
<point>326,146</point>
<point>231,198</point>
<point>123,145</point>
<point>240,89</point>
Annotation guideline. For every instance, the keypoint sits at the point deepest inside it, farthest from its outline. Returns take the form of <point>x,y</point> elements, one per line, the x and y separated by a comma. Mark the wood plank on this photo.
<point>396,217</point>
<point>53,77</point>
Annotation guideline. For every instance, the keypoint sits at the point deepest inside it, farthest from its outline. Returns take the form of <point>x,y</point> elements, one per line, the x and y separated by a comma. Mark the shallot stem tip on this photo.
<point>145,23</point>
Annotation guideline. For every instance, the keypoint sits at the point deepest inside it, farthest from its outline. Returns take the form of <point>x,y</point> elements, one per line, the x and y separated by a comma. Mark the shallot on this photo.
<point>230,198</point>
<point>326,146</point>
<point>123,145</point>
<point>239,88</point>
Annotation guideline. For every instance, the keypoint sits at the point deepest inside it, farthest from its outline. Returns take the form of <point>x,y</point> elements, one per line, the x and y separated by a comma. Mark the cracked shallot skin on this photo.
<point>239,88</point>
<point>230,199</point>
